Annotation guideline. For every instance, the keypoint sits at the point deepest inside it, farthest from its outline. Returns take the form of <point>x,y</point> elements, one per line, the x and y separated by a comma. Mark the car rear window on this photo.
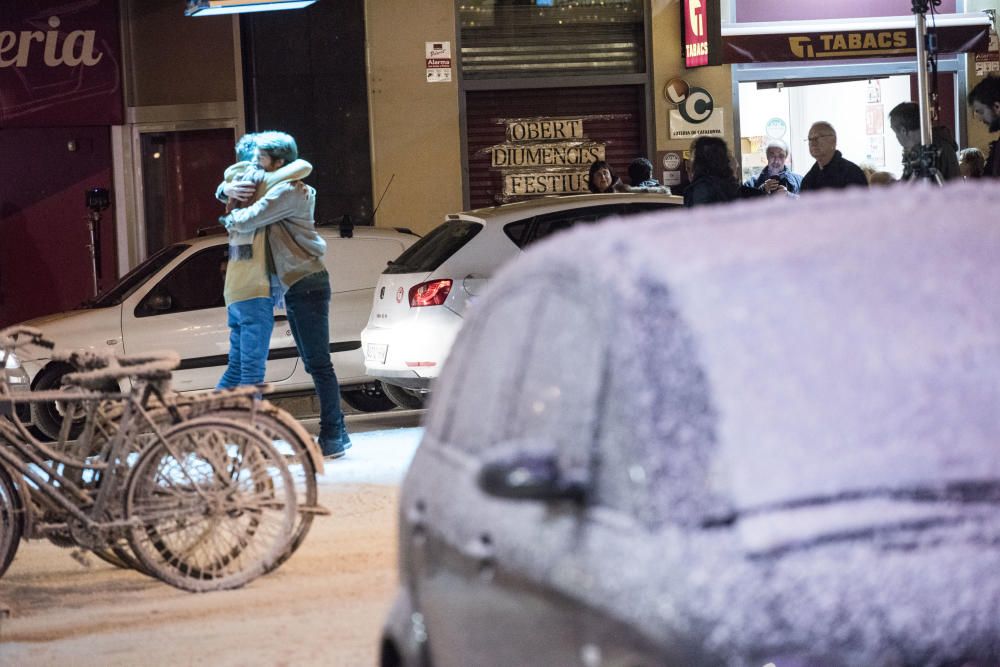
<point>428,253</point>
<point>531,230</point>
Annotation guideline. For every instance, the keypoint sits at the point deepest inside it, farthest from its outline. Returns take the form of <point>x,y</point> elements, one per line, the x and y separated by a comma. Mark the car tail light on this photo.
<point>431,293</point>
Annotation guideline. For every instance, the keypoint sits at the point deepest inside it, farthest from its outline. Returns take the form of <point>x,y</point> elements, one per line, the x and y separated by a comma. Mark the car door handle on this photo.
<point>281,318</point>
<point>479,548</point>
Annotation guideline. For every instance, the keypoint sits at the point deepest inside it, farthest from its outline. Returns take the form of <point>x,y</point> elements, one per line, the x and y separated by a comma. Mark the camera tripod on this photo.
<point>922,165</point>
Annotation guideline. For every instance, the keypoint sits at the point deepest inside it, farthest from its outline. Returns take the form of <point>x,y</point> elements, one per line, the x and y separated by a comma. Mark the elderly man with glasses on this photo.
<point>831,169</point>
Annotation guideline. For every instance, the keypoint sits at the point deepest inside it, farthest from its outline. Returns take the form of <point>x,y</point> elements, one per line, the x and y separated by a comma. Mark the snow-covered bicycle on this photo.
<point>202,502</point>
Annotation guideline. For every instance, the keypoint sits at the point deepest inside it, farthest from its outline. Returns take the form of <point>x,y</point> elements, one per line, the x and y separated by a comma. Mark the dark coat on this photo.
<point>992,169</point>
<point>947,157</point>
<point>707,189</point>
<point>838,173</point>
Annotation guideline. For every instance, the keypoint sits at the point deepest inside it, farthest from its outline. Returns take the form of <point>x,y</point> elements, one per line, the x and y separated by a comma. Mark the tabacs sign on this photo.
<point>827,46</point>
<point>851,44</point>
<point>701,37</point>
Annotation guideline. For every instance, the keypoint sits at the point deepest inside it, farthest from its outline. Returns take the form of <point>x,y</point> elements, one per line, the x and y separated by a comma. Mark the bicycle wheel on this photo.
<point>212,505</point>
<point>287,436</point>
<point>10,520</point>
<point>287,439</point>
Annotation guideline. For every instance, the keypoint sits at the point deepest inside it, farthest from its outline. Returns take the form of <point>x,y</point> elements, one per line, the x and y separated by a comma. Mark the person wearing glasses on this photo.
<point>831,170</point>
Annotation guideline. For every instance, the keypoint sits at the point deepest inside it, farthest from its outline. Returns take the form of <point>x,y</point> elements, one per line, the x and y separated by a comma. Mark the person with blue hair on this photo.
<point>284,215</point>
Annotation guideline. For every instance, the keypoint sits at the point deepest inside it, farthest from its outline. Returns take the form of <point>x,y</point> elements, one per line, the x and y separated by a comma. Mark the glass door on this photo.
<point>180,171</point>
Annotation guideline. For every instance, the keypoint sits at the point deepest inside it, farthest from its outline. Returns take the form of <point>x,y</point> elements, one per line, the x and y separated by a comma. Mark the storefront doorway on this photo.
<point>180,169</point>
<point>857,108</point>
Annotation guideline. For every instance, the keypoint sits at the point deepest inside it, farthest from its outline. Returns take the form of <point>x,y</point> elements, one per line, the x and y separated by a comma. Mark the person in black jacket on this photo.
<point>984,100</point>
<point>711,170</point>
<point>904,120</point>
<point>831,169</point>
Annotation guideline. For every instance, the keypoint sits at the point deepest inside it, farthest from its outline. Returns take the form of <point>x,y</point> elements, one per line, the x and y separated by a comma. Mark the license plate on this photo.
<point>376,352</point>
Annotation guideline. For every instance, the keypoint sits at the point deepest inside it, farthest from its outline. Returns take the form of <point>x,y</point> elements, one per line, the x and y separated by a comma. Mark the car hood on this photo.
<point>97,329</point>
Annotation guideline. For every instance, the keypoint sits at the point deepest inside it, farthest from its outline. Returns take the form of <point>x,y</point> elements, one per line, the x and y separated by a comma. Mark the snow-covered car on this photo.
<point>766,434</point>
<point>422,297</point>
<point>173,300</point>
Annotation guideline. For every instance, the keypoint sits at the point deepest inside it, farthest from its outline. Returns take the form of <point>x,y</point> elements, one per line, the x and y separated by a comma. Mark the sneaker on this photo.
<point>340,453</point>
<point>335,448</point>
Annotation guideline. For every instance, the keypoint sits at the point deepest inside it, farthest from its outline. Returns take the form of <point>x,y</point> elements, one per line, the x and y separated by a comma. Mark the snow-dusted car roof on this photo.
<point>522,209</point>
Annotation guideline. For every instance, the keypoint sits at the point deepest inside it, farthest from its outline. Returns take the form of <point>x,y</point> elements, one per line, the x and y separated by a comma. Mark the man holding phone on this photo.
<point>776,178</point>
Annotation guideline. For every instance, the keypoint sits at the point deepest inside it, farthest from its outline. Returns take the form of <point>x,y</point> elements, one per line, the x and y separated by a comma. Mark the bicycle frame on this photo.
<point>38,463</point>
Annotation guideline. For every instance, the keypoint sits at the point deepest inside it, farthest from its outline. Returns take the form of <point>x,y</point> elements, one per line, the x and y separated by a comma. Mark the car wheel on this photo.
<point>47,416</point>
<point>367,398</point>
<point>409,399</point>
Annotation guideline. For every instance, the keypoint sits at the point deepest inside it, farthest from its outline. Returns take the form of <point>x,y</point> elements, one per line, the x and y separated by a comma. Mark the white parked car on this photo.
<point>422,297</point>
<point>173,300</point>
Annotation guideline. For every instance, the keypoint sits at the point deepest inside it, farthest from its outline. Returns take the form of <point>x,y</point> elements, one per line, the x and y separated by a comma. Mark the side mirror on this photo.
<point>531,477</point>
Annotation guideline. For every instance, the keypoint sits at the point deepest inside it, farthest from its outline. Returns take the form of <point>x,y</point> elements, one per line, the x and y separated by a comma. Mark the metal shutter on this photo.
<point>516,38</point>
<point>613,115</point>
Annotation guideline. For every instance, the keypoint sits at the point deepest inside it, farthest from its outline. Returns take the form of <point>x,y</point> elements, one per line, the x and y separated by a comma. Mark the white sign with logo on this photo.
<point>671,161</point>
<point>681,128</point>
<point>776,128</point>
<point>438,58</point>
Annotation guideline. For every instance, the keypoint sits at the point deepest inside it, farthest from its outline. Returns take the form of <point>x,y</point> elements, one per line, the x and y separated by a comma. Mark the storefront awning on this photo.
<point>825,41</point>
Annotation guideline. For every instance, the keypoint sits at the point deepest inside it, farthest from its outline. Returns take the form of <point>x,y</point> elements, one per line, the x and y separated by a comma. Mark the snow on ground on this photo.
<point>376,457</point>
<point>325,606</point>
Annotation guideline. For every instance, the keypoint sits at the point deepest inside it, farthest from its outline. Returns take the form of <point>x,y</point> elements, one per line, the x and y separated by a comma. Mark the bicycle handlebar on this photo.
<point>9,338</point>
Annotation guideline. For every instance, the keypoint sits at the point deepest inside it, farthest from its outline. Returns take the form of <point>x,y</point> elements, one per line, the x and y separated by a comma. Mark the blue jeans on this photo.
<point>250,324</point>
<point>307,303</point>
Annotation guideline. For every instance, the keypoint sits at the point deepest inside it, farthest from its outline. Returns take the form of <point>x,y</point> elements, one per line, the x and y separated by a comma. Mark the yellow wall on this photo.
<point>668,64</point>
<point>414,124</point>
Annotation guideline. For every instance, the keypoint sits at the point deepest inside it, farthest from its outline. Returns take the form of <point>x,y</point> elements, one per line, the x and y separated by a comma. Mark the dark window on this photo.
<point>432,250</point>
<point>518,232</point>
<point>195,284</point>
<point>546,391</point>
<point>636,209</point>
<point>131,281</point>
<point>546,225</point>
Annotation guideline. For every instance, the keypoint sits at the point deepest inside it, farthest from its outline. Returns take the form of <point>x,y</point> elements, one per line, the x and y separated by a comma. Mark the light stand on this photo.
<point>97,199</point>
<point>922,164</point>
